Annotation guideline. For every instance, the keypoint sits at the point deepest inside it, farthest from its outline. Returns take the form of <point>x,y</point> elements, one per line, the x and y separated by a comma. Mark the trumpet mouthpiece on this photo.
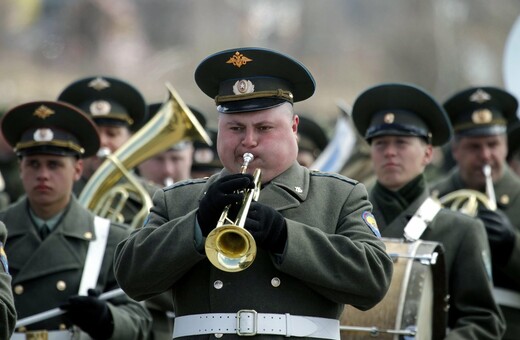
<point>248,157</point>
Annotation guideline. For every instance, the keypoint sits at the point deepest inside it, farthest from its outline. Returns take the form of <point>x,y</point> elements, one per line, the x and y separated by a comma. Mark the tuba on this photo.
<point>467,201</point>
<point>104,196</point>
<point>229,246</point>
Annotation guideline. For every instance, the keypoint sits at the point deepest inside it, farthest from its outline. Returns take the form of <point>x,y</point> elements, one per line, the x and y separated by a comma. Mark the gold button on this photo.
<point>88,235</point>
<point>275,282</point>
<point>61,285</point>
<point>504,199</point>
<point>63,327</point>
<point>218,335</point>
<point>18,289</point>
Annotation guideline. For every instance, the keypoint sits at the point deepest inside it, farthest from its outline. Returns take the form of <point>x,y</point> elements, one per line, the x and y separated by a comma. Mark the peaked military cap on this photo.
<point>252,79</point>
<point>311,136</point>
<point>481,111</point>
<point>49,127</point>
<point>109,101</point>
<point>403,110</point>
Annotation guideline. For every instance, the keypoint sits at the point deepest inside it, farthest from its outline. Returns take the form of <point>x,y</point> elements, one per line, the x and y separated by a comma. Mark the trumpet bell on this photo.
<point>230,248</point>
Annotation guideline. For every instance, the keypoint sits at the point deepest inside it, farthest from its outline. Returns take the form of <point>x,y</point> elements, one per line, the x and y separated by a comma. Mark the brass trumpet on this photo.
<point>467,201</point>
<point>229,246</point>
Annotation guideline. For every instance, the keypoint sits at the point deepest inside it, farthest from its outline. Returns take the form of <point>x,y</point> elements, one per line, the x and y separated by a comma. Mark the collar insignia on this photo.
<point>298,190</point>
<point>238,60</point>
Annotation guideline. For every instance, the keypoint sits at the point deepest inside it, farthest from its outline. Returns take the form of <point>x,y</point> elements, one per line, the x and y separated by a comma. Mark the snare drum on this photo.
<point>415,305</point>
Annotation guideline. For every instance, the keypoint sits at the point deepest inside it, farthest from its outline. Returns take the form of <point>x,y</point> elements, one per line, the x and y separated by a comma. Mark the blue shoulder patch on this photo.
<point>370,221</point>
<point>333,175</point>
<point>3,258</point>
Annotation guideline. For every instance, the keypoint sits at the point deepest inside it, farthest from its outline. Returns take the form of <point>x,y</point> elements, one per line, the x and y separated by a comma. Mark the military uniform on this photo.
<point>47,267</point>
<point>303,284</point>
<point>481,112</point>
<point>406,110</point>
<point>46,273</point>
<point>7,308</point>
<point>321,252</point>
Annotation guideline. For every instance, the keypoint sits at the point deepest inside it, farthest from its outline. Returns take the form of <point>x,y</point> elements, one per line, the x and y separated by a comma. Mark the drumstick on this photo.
<point>57,311</point>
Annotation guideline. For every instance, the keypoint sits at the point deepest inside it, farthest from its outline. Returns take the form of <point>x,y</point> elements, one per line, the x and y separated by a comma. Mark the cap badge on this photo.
<point>243,86</point>
<point>389,118</point>
<point>43,135</point>
<point>43,112</point>
<point>99,84</point>
<point>100,108</point>
<point>481,116</point>
<point>238,60</point>
<point>480,96</point>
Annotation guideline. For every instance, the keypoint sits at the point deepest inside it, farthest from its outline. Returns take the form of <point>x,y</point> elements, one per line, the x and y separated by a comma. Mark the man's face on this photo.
<point>48,180</point>
<point>473,152</point>
<point>111,138</point>
<point>270,135</point>
<point>399,159</point>
<point>168,167</point>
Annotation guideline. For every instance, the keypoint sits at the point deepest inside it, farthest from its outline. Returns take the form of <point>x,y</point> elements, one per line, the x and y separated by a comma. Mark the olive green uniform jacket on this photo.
<point>473,313</point>
<point>45,274</point>
<point>331,257</point>
<point>7,309</point>
<point>507,192</point>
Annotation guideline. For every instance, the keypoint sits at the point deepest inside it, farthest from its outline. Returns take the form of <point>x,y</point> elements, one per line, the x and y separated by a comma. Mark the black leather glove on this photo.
<point>90,314</point>
<point>223,192</point>
<point>501,234</point>
<point>267,226</point>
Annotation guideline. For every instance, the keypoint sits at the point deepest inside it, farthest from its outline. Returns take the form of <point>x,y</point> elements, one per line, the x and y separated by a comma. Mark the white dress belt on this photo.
<point>248,323</point>
<point>506,297</point>
<point>50,335</point>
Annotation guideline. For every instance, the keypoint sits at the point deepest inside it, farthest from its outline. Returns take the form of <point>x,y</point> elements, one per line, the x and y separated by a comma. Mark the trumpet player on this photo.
<point>317,244</point>
<point>479,116</point>
<point>402,123</point>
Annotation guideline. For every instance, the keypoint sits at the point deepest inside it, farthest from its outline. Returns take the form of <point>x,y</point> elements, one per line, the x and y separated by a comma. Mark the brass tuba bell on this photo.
<point>229,246</point>
<point>104,196</point>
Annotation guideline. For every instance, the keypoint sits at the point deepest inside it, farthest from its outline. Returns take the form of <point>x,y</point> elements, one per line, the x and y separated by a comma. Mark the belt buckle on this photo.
<point>253,315</point>
<point>37,335</point>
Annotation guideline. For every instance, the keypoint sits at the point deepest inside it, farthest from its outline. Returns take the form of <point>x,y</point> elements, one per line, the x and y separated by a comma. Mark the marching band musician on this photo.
<point>402,123</point>
<point>7,308</point>
<point>479,116</point>
<point>53,240</point>
<point>317,243</point>
<point>118,110</point>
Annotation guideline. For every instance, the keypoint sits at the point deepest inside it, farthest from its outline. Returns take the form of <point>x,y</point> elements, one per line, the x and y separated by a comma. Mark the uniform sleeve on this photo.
<point>348,265</point>
<point>473,312</point>
<point>132,320</point>
<point>7,308</point>
<point>163,250</point>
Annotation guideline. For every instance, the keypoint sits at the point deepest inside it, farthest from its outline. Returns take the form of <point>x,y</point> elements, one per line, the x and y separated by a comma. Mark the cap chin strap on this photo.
<point>286,95</point>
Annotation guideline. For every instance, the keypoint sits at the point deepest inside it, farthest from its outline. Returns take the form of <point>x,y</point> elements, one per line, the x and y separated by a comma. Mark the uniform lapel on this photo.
<point>287,190</point>
<point>64,249</point>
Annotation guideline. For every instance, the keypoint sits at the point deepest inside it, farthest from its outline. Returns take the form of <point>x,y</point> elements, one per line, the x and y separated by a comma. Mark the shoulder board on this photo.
<point>333,175</point>
<point>187,182</point>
